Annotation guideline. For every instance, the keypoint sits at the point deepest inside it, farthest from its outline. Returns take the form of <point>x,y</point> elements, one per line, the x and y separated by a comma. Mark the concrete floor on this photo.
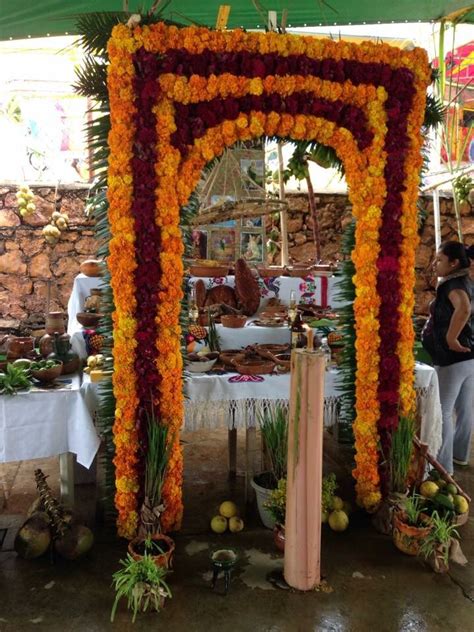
<point>369,584</point>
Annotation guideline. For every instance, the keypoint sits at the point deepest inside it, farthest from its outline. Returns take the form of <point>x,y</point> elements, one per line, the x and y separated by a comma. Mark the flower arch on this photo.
<point>178,97</point>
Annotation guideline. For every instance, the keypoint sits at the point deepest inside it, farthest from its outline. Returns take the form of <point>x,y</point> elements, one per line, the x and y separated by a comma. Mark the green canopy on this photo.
<point>26,18</point>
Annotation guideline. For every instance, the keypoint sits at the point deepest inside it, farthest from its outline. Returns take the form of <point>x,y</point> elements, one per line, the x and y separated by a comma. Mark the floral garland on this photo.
<point>211,89</point>
<point>122,264</point>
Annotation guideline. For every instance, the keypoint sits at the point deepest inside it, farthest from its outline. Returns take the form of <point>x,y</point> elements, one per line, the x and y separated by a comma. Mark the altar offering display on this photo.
<point>173,109</point>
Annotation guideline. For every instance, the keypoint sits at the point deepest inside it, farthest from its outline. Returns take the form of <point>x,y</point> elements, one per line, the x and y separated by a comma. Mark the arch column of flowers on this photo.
<point>178,97</point>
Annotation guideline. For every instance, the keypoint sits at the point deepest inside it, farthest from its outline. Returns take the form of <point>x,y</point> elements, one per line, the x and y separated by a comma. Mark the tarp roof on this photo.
<point>26,18</point>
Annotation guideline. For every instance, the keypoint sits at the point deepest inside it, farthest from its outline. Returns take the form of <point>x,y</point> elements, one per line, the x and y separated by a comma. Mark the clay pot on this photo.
<point>91,268</point>
<point>88,319</point>
<point>228,355</point>
<point>267,351</point>
<point>46,345</point>
<point>279,537</point>
<point>20,347</point>
<point>63,353</point>
<point>165,559</point>
<point>253,367</point>
<point>55,323</point>
<point>233,321</point>
<point>48,375</point>
<point>406,538</point>
<point>93,302</point>
<point>209,271</point>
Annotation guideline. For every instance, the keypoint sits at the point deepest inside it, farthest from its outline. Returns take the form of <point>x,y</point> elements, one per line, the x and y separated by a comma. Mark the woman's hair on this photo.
<point>455,250</point>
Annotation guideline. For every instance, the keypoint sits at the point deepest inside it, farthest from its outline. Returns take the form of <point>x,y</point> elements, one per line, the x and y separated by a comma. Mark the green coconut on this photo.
<point>34,536</point>
<point>76,541</point>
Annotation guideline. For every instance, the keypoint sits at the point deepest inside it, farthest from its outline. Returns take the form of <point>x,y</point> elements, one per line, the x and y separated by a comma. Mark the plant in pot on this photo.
<point>142,583</point>
<point>411,525</point>
<point>436,546</point>
<point>398,465</point>
<point>150,541</point>
<point>274,432</point>
<point>276,505</point>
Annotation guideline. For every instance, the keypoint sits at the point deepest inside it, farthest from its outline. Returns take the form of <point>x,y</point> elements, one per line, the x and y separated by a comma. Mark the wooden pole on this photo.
<point>283,214</point>
<point>302,569</point>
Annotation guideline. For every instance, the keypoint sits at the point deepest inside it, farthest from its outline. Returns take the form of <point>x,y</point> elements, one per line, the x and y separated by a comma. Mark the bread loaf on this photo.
<point>246,288</point>
<point>200,293</point>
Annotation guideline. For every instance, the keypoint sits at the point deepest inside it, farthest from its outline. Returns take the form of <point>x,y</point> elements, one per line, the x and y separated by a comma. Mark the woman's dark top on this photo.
<point>435,330</point>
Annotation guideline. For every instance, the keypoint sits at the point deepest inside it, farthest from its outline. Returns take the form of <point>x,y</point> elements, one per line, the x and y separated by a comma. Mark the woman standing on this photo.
<point>448,337</point>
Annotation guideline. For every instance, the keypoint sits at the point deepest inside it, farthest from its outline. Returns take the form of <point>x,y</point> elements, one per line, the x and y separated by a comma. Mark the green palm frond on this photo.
<point>95,30</point>
<point>435,112</point>
<point>347,368</point>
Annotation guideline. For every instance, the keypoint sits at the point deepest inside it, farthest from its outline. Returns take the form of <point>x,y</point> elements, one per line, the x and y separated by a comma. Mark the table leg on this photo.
<point>251,457</point>
<point>66,477</point>
<point>232,441</point>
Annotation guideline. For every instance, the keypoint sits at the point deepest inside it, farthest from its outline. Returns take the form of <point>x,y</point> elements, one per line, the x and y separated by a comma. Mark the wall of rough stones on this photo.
<point>27,262</point>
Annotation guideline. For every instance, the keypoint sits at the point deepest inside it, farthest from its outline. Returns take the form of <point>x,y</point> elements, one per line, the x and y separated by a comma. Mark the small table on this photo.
<point>41,423</point>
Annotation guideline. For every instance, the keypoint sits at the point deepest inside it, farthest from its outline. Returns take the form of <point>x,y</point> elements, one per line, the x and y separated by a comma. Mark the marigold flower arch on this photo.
<point>178,97</point>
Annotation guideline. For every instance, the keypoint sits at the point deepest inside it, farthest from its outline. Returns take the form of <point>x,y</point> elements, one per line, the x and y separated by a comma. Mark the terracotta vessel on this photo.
<point>233,321</point>
<point>88,319</point>
<point>279,537</point>
<point>91,268</point>
<point>406,538</point>
<point>164,559</point>
<point>253,367</point>
<point>55,323</point>
<point>46,345</point>
<point>63,353</point>
<point>47,376</point>
<point>93,302</point>
<point>20,347</point>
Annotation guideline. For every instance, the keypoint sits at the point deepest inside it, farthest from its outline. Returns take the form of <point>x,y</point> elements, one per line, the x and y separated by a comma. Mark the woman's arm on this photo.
<point>461,314</point>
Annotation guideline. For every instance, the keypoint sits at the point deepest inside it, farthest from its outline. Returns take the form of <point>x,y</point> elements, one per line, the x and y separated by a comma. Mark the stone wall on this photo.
<point>27,262</point>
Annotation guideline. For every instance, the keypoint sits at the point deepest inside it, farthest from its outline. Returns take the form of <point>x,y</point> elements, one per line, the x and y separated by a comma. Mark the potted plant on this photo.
<point>150,541</point>
<point>398,464</point>
<point>435,548</point>
<point>274,431</point>
<point>276,505</point>
<point>410,525</point>
<point>142,583</point>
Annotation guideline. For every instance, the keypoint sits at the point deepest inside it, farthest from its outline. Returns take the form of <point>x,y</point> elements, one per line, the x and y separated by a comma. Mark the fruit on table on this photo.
<point>337,503</point>
<point>236,524</point>
<point>219,524</point>
<point>338,520</point>
<point>228,509</point>
<point>429,489</point>
<point>95,361</point>
<point>460,504</point>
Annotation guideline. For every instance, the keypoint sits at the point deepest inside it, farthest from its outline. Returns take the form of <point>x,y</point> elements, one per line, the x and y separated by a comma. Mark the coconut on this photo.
<point>34,536</point>
<point>76,541</point>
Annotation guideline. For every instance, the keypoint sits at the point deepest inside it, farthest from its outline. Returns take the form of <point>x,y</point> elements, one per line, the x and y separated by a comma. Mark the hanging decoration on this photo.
<point>178,98</point>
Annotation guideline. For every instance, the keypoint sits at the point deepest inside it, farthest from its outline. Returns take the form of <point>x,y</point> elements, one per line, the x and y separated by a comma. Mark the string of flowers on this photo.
<point>122,264</point>
<point>219,87</point>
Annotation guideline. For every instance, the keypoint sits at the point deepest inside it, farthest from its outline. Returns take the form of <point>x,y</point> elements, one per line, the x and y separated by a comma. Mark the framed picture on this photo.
<point>255,172</point>
<point>199,244</point>
<point>221,246</point>
<point>252,246</point>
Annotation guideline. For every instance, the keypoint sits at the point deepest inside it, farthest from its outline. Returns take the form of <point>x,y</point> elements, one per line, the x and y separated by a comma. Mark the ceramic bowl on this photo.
<point>228,355</point>
<point>209,271</point>
<point>253,367</point>
<point>233,321</point>
<point>88,319</point>
<point>47,375</point>
<point>91,268</point>
<point>200,366</point>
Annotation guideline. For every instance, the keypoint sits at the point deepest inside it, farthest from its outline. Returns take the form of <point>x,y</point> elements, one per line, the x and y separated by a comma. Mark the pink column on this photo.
<point>305,470</point>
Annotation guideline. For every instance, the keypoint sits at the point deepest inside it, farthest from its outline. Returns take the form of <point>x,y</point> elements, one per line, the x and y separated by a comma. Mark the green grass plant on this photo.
<point>274,429</point>
<point>401,452</point>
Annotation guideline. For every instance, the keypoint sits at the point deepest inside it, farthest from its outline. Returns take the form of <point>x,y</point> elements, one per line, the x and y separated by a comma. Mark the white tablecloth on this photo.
<point>41,424</point>
<point>312,289</point>
<point>80,291</point>
<point>213,401</point>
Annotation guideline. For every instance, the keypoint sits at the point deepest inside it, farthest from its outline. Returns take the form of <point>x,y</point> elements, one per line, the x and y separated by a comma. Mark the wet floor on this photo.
<point>368,584</point>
